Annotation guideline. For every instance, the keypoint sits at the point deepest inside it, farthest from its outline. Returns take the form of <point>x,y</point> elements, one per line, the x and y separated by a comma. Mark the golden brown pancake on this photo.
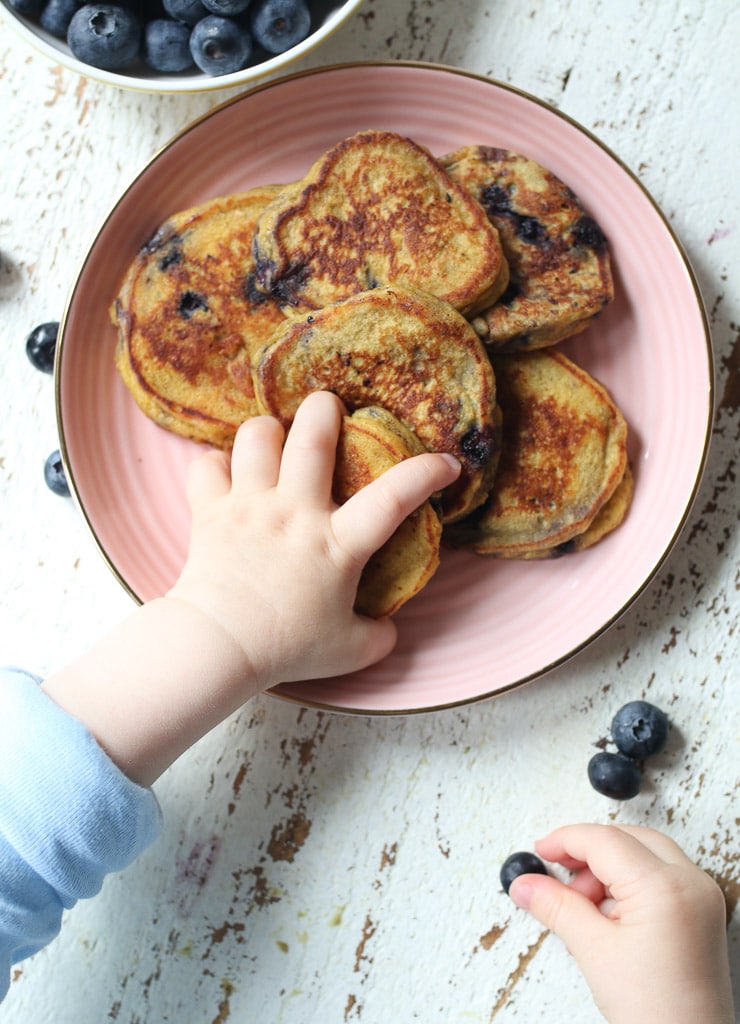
<point>560,275</point>
<point>608,518</point>
<point>370,442</point>
<point>563,457</point>
<point>189,319</point>
<point>407,352</point>
<point>378,209</point>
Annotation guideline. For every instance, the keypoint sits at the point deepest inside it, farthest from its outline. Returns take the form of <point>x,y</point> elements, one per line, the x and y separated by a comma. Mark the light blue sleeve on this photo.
<point>68,817</point>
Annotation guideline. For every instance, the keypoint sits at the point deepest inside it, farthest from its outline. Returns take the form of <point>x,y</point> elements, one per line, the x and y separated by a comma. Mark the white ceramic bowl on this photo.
<point>328,13</point>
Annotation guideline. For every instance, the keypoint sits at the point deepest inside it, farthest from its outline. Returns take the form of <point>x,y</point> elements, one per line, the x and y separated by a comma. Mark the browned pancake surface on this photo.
<point>608,518</point>
<point>558,258</point>
<point>407,352</point>
<point>371,442</point>
<point>378,209</point>
<point>189,319</point>
<point>564,454</point>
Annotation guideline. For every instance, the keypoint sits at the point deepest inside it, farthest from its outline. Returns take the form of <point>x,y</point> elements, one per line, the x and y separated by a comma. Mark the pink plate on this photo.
<point>481,626</point>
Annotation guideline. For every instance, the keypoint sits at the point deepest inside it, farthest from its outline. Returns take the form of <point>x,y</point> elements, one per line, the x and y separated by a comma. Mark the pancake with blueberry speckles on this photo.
<point>563,480</point>
<point>559,267</point>
<point>370,442</point>
<point>378,209</point>
<point>406,351</point>
<point>190,320</point>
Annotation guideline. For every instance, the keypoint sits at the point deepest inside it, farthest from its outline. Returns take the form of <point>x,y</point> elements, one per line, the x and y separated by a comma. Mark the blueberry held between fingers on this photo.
<point>54,475</point>
<point>279,24</point>
<point>640,730</point>
<point>105,36</point>
<point>41,345</point>
<point>615,776</point>
<point>220,46</point>
<point>167,45</point>
<point>188,11</point>
<point>520,863</point>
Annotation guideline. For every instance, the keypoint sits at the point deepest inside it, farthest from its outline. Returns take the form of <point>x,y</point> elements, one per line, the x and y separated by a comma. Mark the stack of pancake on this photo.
<point>429,294</point>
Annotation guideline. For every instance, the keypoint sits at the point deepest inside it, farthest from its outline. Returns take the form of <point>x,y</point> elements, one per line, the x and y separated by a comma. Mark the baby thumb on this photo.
<point>564,911</point>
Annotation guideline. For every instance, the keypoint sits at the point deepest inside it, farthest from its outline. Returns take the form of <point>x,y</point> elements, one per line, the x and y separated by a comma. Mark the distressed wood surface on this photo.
<point>339,869</point>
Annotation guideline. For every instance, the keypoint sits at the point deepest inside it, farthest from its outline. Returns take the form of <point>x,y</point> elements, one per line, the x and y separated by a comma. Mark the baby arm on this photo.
<point>644,923</point>
<point>266,594</point>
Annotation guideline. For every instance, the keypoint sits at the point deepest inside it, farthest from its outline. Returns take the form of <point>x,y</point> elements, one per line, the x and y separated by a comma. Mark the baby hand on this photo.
<point>645,924</point>
<point>276,563</point>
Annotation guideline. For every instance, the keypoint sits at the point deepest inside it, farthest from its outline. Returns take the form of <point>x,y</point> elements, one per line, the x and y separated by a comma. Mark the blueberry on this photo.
<point>614,775</point>
<point>104,35</point>
<point>495,199</point>
<point>226,7</point>
<point>41,344</point>
<point>588,233</point>
<point>640,729</point>
<point>56,16</point>
<point>31,8</point>
<point>167,45</point>
<point>190,304</point>
<point>145,10</point>
<point>54,475</point>
<point>477,446</point>
<point>220,46</point>
<point>532,231</point>
<point>189,11</point>
<point>520,863</point>
<point>279,24</point>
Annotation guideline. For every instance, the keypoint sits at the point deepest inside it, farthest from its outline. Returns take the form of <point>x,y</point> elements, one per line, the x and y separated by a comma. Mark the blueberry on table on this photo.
<point>54,475</point>
<point>56,16</point>
<point>167,45</point>
<point>188,11</point>
<point>520,863</point>
<point>226,7</point>
<point>279,24</point>
<point>105,36</point>
<point>220,46</point>
<point>41,345</point>
<point>614,775</point>
<point>640,730</point>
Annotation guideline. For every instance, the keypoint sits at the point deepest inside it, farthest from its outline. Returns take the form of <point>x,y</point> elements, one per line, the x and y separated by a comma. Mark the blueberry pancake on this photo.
<point>378,209</point>
<point>563,468</point>
<point>370,442</point>
<point>559,269</point>
<point>189,319</point>
<point>409,353</point>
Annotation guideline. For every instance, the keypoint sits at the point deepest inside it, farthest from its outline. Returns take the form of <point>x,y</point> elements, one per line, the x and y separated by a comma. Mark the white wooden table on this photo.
<point>317,867</point>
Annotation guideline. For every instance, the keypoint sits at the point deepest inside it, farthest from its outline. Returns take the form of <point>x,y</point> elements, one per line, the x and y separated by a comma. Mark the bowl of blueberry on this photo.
<point>176,45</point>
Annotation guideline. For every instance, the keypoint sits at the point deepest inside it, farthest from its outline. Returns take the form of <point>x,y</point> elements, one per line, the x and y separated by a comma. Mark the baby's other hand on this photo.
<point>646,926</point>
